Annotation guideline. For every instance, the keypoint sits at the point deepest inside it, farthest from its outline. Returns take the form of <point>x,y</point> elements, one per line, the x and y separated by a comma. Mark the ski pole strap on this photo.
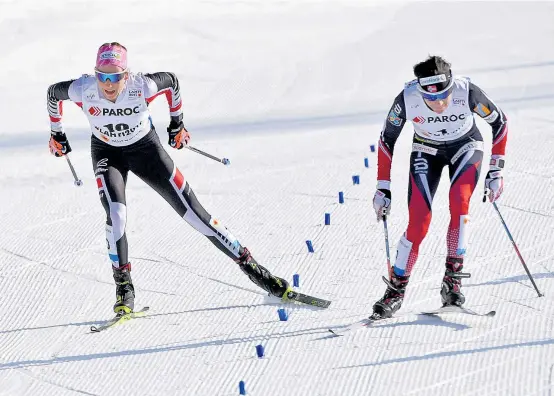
<point>390,284</point>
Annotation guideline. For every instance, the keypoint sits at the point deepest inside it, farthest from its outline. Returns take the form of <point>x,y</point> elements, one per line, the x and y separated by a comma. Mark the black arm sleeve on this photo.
<point>168,84</point>
<point>396,119</point>
<point>164,80</point>
<point>59,91</point>
<point>56,94</point>
<point>394,123</point>
<point>482,105</point>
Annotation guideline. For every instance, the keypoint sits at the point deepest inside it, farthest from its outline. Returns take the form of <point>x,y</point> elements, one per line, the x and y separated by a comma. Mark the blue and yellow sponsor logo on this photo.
<point>482,110</point>
<point>394,119</point>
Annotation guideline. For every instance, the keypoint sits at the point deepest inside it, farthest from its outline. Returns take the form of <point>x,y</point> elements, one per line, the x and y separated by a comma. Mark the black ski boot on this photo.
<point>394,295</point>
<point>124,292</point>
<point>451,292</point>
<point>261,275</point>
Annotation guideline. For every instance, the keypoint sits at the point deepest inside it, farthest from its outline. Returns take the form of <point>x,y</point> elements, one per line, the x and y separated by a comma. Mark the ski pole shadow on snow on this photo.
<point>513,279</point>
<point>267,301</point>
<point>152,350</point>
<point>458,353</point>
<point>149,315</point>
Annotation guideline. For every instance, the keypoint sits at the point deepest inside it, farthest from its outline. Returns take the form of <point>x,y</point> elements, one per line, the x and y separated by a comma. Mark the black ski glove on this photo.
<point>178,135</point>
<point>59,145</point>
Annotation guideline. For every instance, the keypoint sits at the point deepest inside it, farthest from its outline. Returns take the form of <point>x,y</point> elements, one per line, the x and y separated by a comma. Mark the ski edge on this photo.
<point>119,319</point>
<point>368,322</point>
<point>456,309</point>
<point>364,323</point>
<point>294,296</point>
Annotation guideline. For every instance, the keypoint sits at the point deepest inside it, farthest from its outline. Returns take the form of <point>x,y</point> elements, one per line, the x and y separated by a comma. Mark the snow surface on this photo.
<point>293,92</point>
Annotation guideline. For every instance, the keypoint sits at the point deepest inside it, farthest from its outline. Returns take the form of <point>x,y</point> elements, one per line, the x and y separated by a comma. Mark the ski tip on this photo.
<point>490,314</point>
<point>334,333</point>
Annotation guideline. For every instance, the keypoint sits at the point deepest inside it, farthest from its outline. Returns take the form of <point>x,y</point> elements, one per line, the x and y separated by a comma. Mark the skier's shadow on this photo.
<point>426,320</point>
<point>421,320</point>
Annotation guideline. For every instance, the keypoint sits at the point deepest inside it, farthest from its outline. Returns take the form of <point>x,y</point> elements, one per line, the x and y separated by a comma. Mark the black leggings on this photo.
<point>150,162</point>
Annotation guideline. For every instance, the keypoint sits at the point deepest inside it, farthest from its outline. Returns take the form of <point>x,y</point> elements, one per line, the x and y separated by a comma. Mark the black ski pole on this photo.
<point>78,182</point>
<point>224,161</point>
<point>386,228</point>
<point>515,247</point>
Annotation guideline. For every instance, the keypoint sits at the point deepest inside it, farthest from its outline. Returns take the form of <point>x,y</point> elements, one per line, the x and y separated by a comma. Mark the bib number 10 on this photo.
<point>117,127</point>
